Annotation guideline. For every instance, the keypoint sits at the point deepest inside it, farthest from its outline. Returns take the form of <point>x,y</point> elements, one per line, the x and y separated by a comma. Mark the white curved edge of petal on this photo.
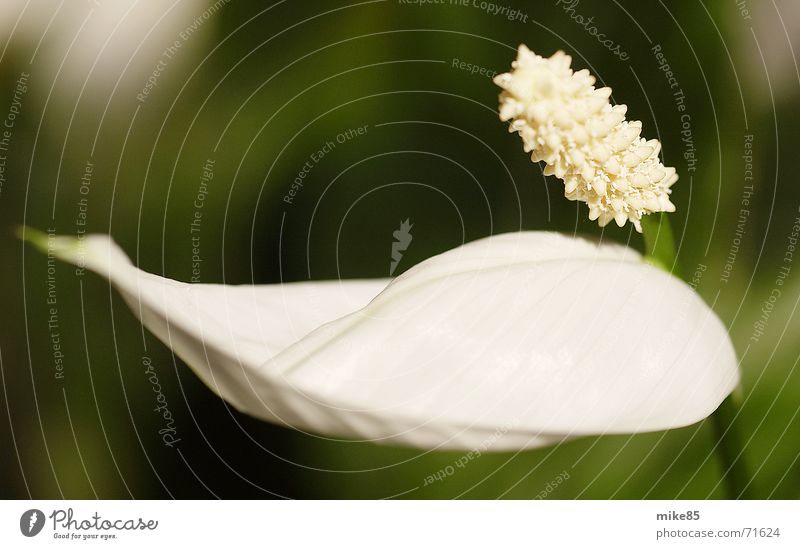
<point>566,348</point>
<point>344,371</point>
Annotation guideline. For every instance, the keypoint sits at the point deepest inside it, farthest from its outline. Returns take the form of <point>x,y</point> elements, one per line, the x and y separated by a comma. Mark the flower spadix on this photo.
<point>513,341</point>
<point>572,127</point>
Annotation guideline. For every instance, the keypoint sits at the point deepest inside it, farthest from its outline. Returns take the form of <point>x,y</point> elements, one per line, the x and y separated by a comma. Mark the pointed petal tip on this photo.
<point>96,252</point>
<point>32,236</point>
<point>63,247</point>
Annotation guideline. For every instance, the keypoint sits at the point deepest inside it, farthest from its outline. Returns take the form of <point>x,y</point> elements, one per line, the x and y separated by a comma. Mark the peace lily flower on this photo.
<point>585,141</point>
<point>570,125</point>
<point>513,341</point>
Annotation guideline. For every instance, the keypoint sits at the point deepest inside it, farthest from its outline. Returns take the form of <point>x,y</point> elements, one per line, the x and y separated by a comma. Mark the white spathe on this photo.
<point>513,341</point>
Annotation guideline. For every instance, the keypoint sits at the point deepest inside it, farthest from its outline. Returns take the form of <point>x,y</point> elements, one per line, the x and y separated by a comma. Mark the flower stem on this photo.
<point>659,243</point>
<point>660,251</point>
<point>730,450</point>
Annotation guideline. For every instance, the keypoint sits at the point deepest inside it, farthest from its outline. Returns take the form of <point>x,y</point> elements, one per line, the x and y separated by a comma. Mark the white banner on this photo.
<point>401,524</point>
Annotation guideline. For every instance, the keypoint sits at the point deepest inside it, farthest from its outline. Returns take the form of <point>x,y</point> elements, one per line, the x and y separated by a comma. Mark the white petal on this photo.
<point>513,341</point>
<point>223,332</point>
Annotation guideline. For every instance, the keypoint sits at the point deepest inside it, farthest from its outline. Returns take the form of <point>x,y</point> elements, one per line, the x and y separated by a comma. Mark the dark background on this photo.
<point>258,88</point>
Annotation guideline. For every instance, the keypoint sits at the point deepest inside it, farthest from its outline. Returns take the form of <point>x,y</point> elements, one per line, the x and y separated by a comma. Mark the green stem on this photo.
<point>730,450</point>
<point>660,251</point>
<point>659,243</point>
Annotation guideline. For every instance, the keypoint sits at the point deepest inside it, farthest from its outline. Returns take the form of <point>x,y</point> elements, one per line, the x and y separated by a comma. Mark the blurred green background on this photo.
<point>257,88</point>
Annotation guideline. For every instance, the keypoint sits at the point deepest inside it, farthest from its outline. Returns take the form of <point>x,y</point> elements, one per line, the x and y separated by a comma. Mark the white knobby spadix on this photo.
<point>514,341</point>
<point>571,125</point>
